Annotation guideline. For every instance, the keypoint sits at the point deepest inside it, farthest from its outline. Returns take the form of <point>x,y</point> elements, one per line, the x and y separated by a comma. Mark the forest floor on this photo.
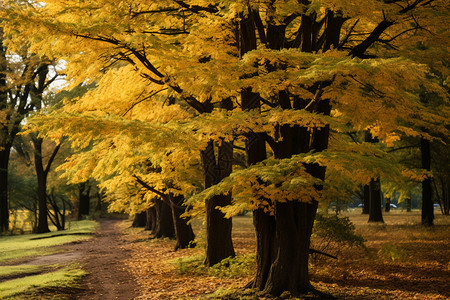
<point>402,260</point>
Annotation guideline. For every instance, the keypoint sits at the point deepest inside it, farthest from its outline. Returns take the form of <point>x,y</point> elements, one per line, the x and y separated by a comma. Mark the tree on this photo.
<point>22,94</point>
<point>41,174</point>
<point>427,201</point>
<point>83,199</point>
<point>374,192</point>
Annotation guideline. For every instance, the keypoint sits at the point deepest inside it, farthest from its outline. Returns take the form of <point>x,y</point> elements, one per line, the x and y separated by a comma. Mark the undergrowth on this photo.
<point>231,267</point>
<point>333,234</point>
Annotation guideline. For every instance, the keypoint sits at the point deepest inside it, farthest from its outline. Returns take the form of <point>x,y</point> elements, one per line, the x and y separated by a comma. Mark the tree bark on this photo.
<point>387,207</point>
<point>140,219</point>
<point>366,200</point>
<point>84,199</point>
<point>42,226</point>
<point>375,212</point>
<point>183,231</point>
<point>219,244</point>
<point>150,215</point>
<point>408,204</point>
<point>5,143</point>
<point>164,223</point>
<point>4,205</point>
<point>427,201</point>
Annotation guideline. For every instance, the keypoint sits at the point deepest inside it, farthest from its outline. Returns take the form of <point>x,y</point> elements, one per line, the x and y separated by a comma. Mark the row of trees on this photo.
<point>220,107</point>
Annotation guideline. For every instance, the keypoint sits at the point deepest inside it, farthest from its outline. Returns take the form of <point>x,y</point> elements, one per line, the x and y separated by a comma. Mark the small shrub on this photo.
<point>332,234</point>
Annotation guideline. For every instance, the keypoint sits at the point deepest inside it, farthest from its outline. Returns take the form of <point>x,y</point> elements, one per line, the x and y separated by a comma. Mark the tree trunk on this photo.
<point>139,220</point>
<point>289,268</point>
<point>164,223</point>
<point>375,212</point>
<point>374,191</point>
<point>387,207</point>
<point>5,143</point>
<point>427,200</point>
<point>4,205</point>
<point>366,200</point>
<point>445,203</point>
<point>183,231</point>
<point>150,214</point>
<point>98,206</point>
<point>408,204</point>
<point>83,199</point>
<point>219,244</point>
<point>42,226</point>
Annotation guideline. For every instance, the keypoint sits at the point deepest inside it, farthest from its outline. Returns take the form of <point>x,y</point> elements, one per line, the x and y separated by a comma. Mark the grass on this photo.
<point>22,281</point>
<point>231,267</point>
<point>17,270</point>
<point>31,286</point>
<point>21,246</point>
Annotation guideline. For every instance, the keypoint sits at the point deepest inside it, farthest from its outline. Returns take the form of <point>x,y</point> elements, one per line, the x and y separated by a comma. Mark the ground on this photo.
<point>402,260</point>
<point>103,258</point>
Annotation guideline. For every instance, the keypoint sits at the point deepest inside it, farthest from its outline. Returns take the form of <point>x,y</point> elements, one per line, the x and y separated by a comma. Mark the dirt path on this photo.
<point>103,257</point>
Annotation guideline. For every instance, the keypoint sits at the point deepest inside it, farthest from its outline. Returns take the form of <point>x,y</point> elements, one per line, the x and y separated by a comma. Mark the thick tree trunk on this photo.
<point>42,226</point>
<point>164,223</point>
<point>427,200</point>
<point>140,219</point>
<point>289,268</point>
<point>219,244</point>
<point>375,212</point>
<point>150,215</point>
<point>183,231</point>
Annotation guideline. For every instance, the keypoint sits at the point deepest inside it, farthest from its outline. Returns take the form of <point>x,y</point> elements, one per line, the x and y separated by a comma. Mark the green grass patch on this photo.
<point>29,245</point>
<point>7,271</point>
<point>60,280</point>
<point>231,267</point>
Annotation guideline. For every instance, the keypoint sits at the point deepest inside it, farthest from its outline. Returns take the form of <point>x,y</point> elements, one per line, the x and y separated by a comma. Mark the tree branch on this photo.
<point>52,157</point>
<point>151,189</point>
<point>360,49</point>
<point>196,8</point>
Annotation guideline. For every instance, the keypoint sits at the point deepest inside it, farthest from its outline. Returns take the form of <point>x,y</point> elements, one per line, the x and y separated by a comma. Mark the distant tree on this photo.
<point>84,199</point>
<point>140,219</point>
<point>42,174</point>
